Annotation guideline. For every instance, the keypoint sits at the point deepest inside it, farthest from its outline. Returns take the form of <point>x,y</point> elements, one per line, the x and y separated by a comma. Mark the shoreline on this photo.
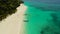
<point>14,24</point>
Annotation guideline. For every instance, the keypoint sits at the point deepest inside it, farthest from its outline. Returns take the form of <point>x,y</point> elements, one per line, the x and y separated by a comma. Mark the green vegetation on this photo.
<point>8,7</point>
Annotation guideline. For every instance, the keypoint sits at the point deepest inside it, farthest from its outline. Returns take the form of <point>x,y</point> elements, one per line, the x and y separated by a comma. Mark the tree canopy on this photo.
<point>8,7</point>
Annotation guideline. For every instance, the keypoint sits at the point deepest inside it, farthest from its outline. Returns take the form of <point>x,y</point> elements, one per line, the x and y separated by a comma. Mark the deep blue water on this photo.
<point>44,4</point>
<point>42,21</point>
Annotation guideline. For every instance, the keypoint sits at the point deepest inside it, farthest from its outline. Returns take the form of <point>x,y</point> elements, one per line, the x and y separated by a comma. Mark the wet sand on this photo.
<point>14,24</point>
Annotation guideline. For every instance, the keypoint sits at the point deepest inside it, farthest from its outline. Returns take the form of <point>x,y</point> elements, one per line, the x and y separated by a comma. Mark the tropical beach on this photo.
<point>14,23</point>
<point>31,17</point>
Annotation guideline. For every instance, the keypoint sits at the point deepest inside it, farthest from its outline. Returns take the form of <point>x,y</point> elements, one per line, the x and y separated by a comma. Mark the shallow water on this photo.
<point>41,21</point>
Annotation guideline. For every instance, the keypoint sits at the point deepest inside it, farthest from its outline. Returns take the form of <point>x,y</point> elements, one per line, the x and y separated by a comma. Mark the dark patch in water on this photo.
<point>25,20</point>
<point>49,30</point>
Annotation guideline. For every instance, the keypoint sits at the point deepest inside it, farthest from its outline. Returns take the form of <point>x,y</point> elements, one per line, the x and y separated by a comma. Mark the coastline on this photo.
<point>14,24</point>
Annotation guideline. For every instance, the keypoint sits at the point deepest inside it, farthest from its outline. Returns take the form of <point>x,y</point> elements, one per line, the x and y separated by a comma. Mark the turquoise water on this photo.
<point>44,4</point>
<point>41,21</point>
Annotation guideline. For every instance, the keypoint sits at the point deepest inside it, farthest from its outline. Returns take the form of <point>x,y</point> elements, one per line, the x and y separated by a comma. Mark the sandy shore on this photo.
<point>14,24</point>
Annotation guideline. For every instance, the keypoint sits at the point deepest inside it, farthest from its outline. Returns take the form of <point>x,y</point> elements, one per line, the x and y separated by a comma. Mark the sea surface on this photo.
<point>40,21</point>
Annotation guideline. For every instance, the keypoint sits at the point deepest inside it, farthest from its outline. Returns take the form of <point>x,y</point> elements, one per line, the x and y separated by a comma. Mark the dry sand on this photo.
<point>14,24</point>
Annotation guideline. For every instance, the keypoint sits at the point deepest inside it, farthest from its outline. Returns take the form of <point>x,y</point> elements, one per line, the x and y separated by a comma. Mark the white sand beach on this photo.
<point>14,24</point>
